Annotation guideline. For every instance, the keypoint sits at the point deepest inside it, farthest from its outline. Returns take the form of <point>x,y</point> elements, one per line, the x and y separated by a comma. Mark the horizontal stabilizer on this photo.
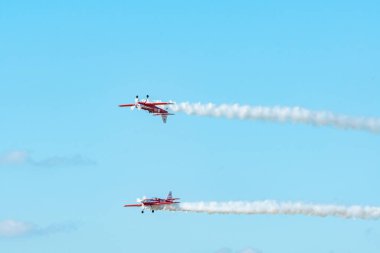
<point>160,114</point>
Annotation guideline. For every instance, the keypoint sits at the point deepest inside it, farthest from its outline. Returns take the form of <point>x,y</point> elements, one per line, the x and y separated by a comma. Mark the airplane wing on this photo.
<point>156,103</point>
<point>126,105</point>
<point>165,203</point>
<point>134,205</point>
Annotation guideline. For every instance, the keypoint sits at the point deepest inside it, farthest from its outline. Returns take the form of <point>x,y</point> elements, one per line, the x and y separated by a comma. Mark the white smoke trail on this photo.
<point>279,114</point>
<point>273,207</point>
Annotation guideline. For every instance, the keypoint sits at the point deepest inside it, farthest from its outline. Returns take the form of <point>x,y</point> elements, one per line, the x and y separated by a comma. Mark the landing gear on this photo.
<point>152,211</point>
<point>142,211</point>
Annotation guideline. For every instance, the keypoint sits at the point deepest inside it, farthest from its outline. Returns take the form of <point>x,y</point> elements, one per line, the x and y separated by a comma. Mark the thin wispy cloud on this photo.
<point>250,250</point>
<point>245,250</point>
<point>224,250</point>
<point>22,157</point>
<point>64,161</point>
<point>15,229</point>
<point>14,157</point>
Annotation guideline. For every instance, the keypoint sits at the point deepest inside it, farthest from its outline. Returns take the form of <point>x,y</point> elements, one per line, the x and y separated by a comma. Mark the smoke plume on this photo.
<point>276,208</point>
<point>279,114</point>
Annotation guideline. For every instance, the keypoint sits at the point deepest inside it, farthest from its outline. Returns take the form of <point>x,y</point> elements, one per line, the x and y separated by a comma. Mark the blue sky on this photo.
<point>65,66</point>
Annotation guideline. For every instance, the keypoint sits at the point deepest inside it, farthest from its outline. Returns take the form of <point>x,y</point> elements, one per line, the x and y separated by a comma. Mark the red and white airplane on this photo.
<point>151,107</point>
<point>154,203</point>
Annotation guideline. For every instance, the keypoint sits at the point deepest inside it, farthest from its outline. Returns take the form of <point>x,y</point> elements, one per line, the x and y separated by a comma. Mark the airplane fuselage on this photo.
<point>152,108</point>
<point>155,203</point>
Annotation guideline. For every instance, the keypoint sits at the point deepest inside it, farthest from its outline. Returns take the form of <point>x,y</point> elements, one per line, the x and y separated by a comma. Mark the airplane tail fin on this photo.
<point>164,118</point>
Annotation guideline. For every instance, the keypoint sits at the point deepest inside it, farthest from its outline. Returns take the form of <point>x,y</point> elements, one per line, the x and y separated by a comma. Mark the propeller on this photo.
<point>136,103</point>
